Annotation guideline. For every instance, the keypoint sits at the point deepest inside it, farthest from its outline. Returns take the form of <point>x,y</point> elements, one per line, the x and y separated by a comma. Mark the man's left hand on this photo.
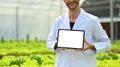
<point>88,45</point>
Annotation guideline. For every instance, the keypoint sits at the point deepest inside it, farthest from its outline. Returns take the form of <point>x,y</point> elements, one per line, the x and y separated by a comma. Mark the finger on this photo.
<point>62,48</point>
<point>65,48</point>
<point>77,49</point>
<point>84,49</point>
<point>59,48</point>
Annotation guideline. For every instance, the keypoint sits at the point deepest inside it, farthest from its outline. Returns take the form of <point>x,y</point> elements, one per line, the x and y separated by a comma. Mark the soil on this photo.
<point>116,51</point>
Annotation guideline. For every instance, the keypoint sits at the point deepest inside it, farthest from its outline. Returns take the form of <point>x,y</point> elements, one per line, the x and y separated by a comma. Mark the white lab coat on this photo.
<point>94,34</point>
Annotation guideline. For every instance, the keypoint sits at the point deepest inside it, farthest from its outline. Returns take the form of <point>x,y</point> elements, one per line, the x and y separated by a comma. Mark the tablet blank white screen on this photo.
<point>70,39</point>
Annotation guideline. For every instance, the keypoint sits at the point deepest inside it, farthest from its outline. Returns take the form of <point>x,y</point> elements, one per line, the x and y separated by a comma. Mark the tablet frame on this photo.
<point>70,30</point>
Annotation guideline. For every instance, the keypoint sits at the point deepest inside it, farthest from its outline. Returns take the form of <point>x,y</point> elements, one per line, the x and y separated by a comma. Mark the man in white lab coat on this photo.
<point>96,39</point>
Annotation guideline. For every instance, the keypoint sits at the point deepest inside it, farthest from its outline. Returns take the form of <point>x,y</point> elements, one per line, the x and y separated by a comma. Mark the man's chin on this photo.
<point>72,8</point>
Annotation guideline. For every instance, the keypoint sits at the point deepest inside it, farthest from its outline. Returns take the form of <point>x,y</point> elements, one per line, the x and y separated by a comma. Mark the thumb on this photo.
<point>86,42</point>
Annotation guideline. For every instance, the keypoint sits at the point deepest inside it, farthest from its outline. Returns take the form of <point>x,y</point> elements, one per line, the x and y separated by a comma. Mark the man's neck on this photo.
<point>74,13</point>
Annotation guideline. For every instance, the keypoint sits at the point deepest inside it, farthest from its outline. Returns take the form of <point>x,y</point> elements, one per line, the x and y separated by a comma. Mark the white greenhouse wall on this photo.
<point>35,17</point>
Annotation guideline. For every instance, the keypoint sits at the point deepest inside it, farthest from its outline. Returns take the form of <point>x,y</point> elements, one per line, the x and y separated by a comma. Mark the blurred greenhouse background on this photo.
<point>35,18</point>
<point>20,18</point>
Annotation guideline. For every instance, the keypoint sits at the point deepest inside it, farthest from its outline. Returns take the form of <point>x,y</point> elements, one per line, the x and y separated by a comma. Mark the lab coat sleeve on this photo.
<point>102,43</point>
<point>51,40</point>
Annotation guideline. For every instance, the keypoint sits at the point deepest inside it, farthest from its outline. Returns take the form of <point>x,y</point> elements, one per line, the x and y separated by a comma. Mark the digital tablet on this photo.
<point>70,38</point>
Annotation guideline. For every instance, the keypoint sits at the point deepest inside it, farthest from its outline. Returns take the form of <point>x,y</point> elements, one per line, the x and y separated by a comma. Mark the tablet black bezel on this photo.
<point>71,30</point>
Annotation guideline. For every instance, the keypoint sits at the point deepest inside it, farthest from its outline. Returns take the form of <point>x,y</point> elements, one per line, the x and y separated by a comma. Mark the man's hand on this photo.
<point>88,46</point>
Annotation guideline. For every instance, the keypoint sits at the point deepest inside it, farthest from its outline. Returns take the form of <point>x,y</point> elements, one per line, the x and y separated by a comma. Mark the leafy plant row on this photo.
<point>28,61</point>
<point>48,60</point>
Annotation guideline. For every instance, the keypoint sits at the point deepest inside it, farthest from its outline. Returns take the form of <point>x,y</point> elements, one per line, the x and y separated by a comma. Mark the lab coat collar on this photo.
<point>66,21</point>
<point>78,21</point>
